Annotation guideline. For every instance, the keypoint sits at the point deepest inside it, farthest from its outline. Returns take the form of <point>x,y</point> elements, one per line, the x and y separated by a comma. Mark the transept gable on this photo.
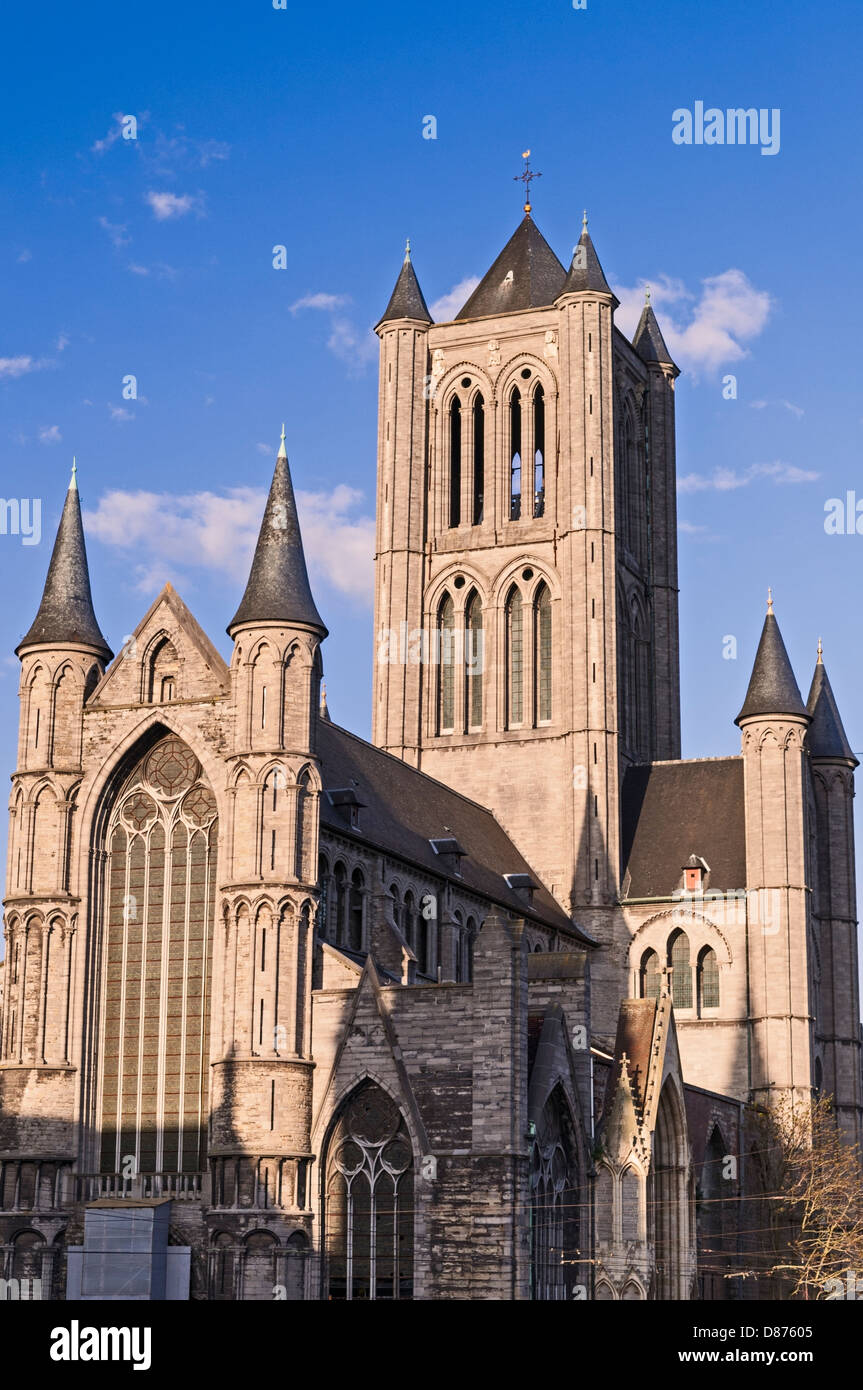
<point>167,657</point>
<point>369,1049</point>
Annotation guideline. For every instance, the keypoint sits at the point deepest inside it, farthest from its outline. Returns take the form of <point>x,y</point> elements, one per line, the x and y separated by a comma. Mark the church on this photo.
<point>476,1009</point>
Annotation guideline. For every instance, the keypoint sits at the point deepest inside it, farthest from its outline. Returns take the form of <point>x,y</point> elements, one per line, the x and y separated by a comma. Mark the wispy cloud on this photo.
<point>353,345</point>
<point>795,410</point>
<point>117,231</point>
<point>63,341</point>
<point>115,130</point>
<point>320,301</point>
<point>120,412</point>
<point>24,256</point>
<point>20,366</point>
<point>704,331</point>
<point>446,308</point>
<point>159,270</point>
<point>167,207</point>
<point>216,535</point>
<point>50,434</point>
<point>728,479</point>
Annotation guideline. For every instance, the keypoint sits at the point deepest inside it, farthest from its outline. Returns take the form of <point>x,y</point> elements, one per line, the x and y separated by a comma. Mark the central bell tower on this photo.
<point>526,600</point>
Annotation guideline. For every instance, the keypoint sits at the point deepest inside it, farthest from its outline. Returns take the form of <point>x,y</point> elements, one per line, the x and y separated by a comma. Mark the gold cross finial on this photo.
<point>770,601</point>
<point>584,220</point>
<point>525,178</point>
<point>74,479</point>
<point>408,249</point>
<point>820,653</point>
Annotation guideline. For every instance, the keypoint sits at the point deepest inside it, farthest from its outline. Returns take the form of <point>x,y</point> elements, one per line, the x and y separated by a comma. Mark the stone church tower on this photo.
<point>526,540</point>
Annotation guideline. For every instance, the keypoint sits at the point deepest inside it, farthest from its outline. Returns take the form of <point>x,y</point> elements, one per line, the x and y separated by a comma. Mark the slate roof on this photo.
<point>648,340</point>
<point>66,611</point>
<point>278,589</point>
<point>826,737</point>
<point>537,276</point>
<point>404,810</point>
<point>674,809</point>
<point>773,688</point>
<point>407,300</point>
<point>590,275</point>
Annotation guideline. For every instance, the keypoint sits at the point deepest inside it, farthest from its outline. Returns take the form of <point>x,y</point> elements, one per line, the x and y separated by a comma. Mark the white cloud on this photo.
<point>356,346</point>
<point>20,366</point>
<point>119,412</point>
<point>159,269</point>
<point>446,308</point>
<point>62,342</point>
<point>114,133</point>
<point>728,480</point>
<point>689,528</point>
<point>50,434</point>
<point>320,301</point>
<point>728,312</point>
<point>795,410</point>
<point>116,231</point>
<point>166,206</point>
<point>264,448</point>
<point>217,534</point>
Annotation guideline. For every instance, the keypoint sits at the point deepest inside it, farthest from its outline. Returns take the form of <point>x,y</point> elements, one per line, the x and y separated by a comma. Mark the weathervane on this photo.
<point>525,178</point>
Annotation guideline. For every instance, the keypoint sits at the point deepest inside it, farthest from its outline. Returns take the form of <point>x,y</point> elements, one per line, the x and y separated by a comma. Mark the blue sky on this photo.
<point>259,127</point>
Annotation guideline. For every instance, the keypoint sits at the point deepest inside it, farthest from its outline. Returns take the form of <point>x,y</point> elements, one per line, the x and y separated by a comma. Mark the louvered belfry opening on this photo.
<point>160,891</point>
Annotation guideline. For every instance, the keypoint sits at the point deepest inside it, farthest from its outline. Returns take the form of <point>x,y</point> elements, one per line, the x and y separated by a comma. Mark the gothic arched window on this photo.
<point>554,1201</point>
<point>708,980</point>
<point>455,463</point>
<point>514,659</point>
<point>356,903</point>
<point>161,672</point>
<point>340,879</point>
<point>515,455</point>
<point>542,653</point>
<point>322,925</point>
<point>159,895</point>
<point>369,1200</point>
<point>446,666</point>
<point>473,659</point>
<point>538,451</point>
<point>409,923</point>
<point>478,459</point>
<point>649,975</point>
<point>681,978</point>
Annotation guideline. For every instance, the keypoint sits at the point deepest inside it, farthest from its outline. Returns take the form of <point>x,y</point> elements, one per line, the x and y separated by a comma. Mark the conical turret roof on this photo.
<point>66,612</point>
<point>585,272</point>
<point>526,275</point>
<point>648,340</point>
<point>826,737</point>
<point>773,688</point>
<point>278,590</point>
<point>407,300</point>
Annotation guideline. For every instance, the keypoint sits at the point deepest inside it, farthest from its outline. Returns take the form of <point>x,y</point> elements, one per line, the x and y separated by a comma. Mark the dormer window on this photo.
<point>695,872</point>
<point>348,805</point>
<point>450,852</point>
<point>523,886</point>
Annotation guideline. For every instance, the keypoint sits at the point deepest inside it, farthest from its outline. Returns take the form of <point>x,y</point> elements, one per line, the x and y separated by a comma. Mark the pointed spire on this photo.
<point>648,340</point>
<point>406,300</point>
<point>585,272</point>
<point>526,275</point>
<point>66,612</point>
<point>324,711</point>
<point>773,689</point>
<point>826,737</point>
<point>278,590</point>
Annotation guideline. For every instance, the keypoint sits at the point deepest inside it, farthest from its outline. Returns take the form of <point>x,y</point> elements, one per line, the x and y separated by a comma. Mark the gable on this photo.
<point>167,652</point>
